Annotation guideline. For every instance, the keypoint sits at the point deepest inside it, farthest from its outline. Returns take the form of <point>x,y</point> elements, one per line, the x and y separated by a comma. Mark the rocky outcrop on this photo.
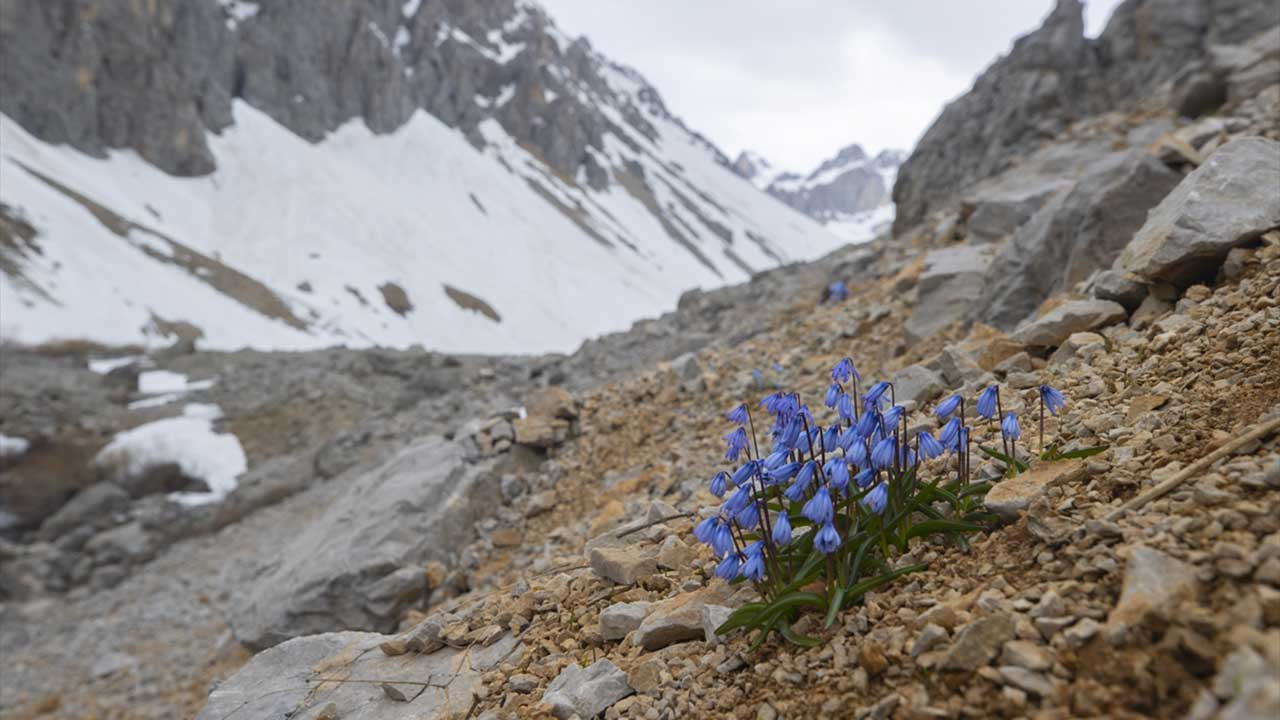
<point>848,184</point>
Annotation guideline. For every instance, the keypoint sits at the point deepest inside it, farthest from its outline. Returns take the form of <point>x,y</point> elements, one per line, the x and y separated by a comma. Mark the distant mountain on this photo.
<point>849,193</point>
<point>305,173</point>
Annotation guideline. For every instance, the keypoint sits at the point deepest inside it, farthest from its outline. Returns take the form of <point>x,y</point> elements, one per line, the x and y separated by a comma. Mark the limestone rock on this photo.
<point>1013,495</point>
<point>918,384</point>
<point>978,643</point>
<point>951,280</point>
<point>1073,316</point>
<point>621,618</point>
<point>624,564</point>
<point>677,619</point>
<point>1154,583</point>
<point>586,692</point>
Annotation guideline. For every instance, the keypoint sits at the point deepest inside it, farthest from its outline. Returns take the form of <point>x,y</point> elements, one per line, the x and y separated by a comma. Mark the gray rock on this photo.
<point>951,280</point>
<point>1119,286</point>
<point>1082,632</point>
<point>930,637</point>
<point>978,643</point>
<point>127,543</point>
<point>1028,655</point>
<point>88,507</point>
<point>958,367</point>
<point>1024,679</point>
<point>713,616</point>
<point>1224,203</point>
<point>624,564</point>
<point>587,692</point>
<point>689,373</point>
<point>677,619</point>
<point>918,384</point>
<point>1154,583</point>
<point>621,618</point>
<point>1073,316</point>
<point>338,572</point>
<point>111,663</point>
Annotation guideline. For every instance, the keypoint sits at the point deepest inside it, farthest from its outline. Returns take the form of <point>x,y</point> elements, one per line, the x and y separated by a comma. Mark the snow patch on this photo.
<point>102,366</point>
<point>12,447</point>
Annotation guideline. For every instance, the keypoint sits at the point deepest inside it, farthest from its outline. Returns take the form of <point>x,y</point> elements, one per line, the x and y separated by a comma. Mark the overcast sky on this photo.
<point>800,79</point>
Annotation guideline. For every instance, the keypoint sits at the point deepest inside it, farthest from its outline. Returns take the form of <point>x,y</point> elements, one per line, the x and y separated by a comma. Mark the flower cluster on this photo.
<point>827,502</point>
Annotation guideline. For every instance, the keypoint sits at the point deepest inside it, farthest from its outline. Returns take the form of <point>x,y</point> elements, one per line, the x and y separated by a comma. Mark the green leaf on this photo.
<point>1083,452</point>
<point>796,638</point>
<point>837,602</point>
<point>741,617</point>
<point>855,592</point>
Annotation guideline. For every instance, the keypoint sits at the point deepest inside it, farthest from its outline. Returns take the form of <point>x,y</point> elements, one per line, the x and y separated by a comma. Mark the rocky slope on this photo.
<point>848,193</point>
<point>455,174</point>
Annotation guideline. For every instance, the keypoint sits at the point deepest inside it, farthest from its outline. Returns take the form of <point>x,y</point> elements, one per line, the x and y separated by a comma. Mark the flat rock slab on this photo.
<point>1154,583</point>
<point>303,675</point>
<point>951,281</point>
<point>678,619</point>
<point>1012,496</point>
<point>978,643</point>
<point>1073,316</point>
<point>586,692</point>
<point>1231,199</point>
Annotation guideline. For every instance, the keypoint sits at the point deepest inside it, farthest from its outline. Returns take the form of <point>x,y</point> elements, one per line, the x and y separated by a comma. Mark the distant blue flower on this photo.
<point>1009,426</point>
<point>744,473</point>
<point>892,416</point>
<point>782,528</point>
<point>837,292</point>
<point>837,469</point>
<point>748,517</point>
<point>738,414</point>
<point>827,540</point>
<point>844,406</point>
<point>738,500</point>
<point>722,540</point>
<point>929,448</point>
<point>771,402</point>
<point>728,567</point>
<point>1052,399</point>
<point>877,498</point>
<point>706,530</point>
<point>948,406</point>
<point>777,367</point>
<point>864,478</point>
<point>844,370</point>
<point>819,509</point>
<point>736,442</point>
<point>874,394</point>
<point>833,394</point>
<point>882,455</point>
<point>949,433</point>
<point>753,568</point>
<point>719,484</point>
<point>988,402</point>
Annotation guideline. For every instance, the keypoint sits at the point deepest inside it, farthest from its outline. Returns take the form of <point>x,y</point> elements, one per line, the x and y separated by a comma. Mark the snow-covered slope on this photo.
<point>461,238</point>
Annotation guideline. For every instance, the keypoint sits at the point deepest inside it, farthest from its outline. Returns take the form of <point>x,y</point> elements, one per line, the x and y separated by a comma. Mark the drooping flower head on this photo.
<point>736,442</point>
<point>844,406</point>
<point>706,530</point>
<point>719,484</point>
<point>784,472</point>
<point>988,402</point>
<point>827,540</point>
<point>844,370</point>
<point>833,394</point>
<point>738,414</point>
<point>1009,426</point>
<point>856,453</point>
<point>877,498</point>
<point>882,454</point>
<point>950,433</point>
<point>893,415</point>
<point>744,473</point>
<point>929,448</point>
<point>738,500</point>
<point>722,540</point>
<point>869,421</point>
<point>1052,399</point>
<point>875,393</point>
<point>776,459</point>
<point>946,407</point>
<point>728,567</point>
<point>748,517</point>
<point>837,469</point>
<point>864,478</point>
<point>819,509</point>
<point>753,568</point>
<point>782,528</point>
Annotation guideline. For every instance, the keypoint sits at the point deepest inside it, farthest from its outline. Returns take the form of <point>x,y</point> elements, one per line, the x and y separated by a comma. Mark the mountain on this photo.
<point>302,174</point>
<point>848,193</point>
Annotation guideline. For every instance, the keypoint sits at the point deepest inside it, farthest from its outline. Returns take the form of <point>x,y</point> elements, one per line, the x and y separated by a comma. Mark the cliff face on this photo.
<point>1055,76</point>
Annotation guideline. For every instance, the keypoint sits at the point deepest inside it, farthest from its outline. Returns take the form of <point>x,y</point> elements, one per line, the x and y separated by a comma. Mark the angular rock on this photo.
<point>1013,495</point>
<point>86,508</point>
<point>930,637</point>
<point>1119,286</point>
<point>1023,679</point>
<point>958,366</point>
<point>1226,202</point>
<point>540,431</point>
<point>126,543</point>
<point>1154,583</point>
<point>553,402</point>
<point>1083,345</point>
<point>586,692</point>
<point>713,616</point>
<point>951,280</point>
<point>1028,655</point>
<point>978,643</point>
<point>918,384</point>
<point>624,564</point>
<point>1072,316</point>
<point>677,619</point>
<point>621,618</point>
<point>413,510</point>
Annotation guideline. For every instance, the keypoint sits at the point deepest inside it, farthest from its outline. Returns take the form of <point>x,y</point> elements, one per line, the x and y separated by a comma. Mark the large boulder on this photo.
<point>1072,316</point>
<point>950,282</point>
<point>358,564</point>
<point>1230,200</point>
<point>1073,235</point>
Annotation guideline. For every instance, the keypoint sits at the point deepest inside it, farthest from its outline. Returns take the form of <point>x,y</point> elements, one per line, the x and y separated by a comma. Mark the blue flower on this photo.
<point>772,402</point>
<point>776,459</point>
<point>785,472</point>
<point>738,500</point>
<point>722,541</point>
<point>868,422</point>
<point>873,395</point>
<point>719,483</point>
<point>748,517</point>
<point>782,528</point>
<point>833,394</point>
<point>877,499</point>
<point>827,540</point>
<point>948,406</point>
<point>795,492</point>
<point>857,453</point>
<point>848,438</point>
<point>1009,426</point>
<point>844,370</point>
<point>728,567</point>
<point>738,415</point>
<point>892,416</point>
<point>805,476</point>
<point>706,530</point>
<point>929,448</point>
<point>837,292</point>
<point>988,401</point>
<point>949,433</point>
<point>831,438</point>
<point>753,568</point>
<point>736,442</point>
<point>819,509</point>
<point>864,478</point>
<point>1052,399</point>
<point>844,406</point>
<point>838,471</point>
<point>882,454</point>
<point>791,434</point>
<point>744,473</point>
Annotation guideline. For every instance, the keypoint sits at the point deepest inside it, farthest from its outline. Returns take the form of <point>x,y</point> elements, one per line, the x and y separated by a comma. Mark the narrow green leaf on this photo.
<point>1083,452</point>
<point>741,617</point>
<point>928,527</point>
<point>796,638</point>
